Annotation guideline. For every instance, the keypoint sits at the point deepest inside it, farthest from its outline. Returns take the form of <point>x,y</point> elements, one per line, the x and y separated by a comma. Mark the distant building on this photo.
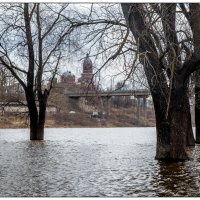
<point>86,79</point>
<point>68,78</point>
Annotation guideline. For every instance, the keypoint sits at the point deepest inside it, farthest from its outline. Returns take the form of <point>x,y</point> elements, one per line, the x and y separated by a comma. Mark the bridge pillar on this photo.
<point>141,109</point>
<point>138,109</point>
<point>145,110</point>
<point>106,104</point>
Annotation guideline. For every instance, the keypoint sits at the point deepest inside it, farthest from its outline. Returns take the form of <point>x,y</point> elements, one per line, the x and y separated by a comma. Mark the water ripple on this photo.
<point>92,163</point>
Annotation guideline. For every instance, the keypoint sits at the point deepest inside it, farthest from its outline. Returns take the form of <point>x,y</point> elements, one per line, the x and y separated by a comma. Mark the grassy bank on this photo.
<point>123,117</point>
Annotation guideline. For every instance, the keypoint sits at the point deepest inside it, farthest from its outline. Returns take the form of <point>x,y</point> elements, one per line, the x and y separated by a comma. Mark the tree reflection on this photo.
<point>176,179</point>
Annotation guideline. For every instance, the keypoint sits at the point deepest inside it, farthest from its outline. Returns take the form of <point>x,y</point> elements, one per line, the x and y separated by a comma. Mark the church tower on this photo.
<point>87,65</point>
<point>87,75</point>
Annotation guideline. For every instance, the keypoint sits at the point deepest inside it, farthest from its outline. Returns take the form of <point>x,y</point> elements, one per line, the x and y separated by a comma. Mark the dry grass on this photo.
<point>123,117</point>
<point>13,122</point>
<point>119,117</point>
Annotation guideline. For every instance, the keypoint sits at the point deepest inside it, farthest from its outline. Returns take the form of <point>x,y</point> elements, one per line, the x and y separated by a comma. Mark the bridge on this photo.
<point>141,93</point>
<point>106,95</point>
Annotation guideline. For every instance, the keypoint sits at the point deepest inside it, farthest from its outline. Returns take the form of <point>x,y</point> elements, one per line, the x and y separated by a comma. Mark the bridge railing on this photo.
<point>109,93</point>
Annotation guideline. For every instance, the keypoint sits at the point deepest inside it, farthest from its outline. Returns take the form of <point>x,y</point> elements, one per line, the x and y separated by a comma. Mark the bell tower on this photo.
<point>87,65</point>
<point>87,75</point>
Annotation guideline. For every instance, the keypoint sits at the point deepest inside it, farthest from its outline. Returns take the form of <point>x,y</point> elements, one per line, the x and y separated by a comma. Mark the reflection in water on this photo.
<point>34,168</point>
<point>174,179</point>
<point>92,162</point>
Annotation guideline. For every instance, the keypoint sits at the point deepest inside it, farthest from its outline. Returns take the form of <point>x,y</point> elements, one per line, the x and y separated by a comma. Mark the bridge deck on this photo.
<point>136,93</point>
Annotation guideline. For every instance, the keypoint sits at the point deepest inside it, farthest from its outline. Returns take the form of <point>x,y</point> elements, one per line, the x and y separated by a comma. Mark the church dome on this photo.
<point>67,74</point>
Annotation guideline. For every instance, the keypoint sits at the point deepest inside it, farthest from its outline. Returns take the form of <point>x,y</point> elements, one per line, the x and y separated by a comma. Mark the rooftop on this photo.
<point>67,74</point>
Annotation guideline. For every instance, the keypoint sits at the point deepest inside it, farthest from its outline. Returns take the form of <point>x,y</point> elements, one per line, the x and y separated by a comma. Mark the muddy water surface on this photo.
<point>84,162</point>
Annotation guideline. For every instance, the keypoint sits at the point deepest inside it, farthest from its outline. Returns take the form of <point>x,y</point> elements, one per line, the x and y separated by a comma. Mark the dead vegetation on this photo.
<point>119,117</point>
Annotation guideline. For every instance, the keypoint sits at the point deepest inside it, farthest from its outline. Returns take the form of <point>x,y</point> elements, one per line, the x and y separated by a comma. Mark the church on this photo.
<point>86,81</point>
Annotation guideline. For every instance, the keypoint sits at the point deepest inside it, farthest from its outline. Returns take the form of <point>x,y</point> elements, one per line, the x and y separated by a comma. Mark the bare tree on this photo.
<point>164,43</point>
<point>31,48</point>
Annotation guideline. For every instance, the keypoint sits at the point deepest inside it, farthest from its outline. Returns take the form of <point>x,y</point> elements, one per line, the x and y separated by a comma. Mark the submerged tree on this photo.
<point>32,41</point>
<point>165,49</point>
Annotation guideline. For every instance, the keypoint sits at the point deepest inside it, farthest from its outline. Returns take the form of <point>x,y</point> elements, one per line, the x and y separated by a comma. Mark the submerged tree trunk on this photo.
<point>37,123</point>
<point>42,113</point>
<point>37,119</point>
<point>162,128</point>
<point>178,122</point>
<point>33,114</point>
<point>175,132</point>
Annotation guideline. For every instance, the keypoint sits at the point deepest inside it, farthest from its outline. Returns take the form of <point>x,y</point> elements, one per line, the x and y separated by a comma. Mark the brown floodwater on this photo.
<point>92,162</point>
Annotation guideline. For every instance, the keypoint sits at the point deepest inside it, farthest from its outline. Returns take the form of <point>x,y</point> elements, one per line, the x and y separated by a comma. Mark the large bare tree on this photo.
<point>32,47</point>
<point>166,53</point>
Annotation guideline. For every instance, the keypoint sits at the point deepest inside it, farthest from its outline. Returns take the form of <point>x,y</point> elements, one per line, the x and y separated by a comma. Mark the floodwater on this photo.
<point>91,162</point>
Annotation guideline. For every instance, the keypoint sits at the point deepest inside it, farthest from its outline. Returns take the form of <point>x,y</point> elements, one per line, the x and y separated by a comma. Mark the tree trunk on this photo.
<point>42,115</point>
<point>174,133</point>
<point>162,128</point>
<point>37,124</point>
<point>37,121</point>
<point>181,134</point>
<point>33,115</point>
<point>178,122</point>
<point>40,131</point>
